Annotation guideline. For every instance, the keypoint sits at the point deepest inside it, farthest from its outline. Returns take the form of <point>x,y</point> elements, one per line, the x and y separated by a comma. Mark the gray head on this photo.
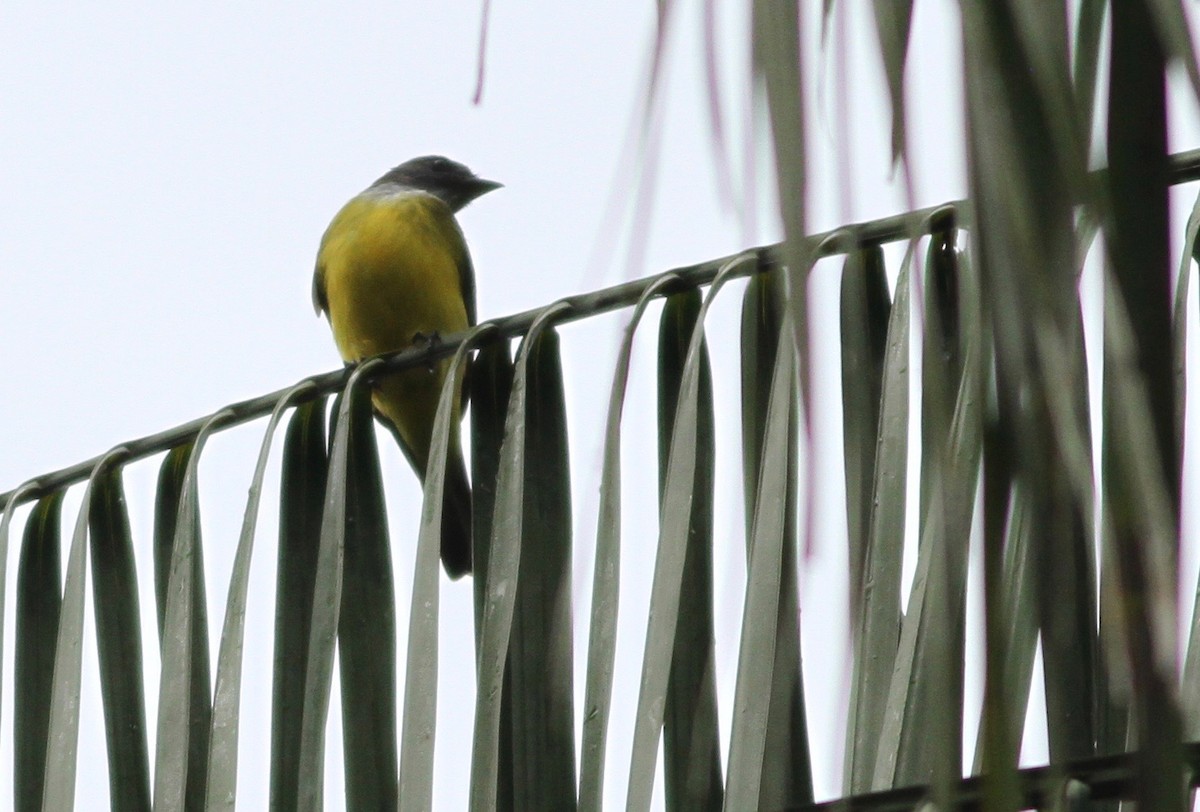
<point>441,177</point>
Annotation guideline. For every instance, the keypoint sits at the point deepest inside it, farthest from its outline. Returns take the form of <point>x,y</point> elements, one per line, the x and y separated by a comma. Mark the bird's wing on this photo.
<point>320,303</point>
<point>452,233</point>
<point>466,280</point>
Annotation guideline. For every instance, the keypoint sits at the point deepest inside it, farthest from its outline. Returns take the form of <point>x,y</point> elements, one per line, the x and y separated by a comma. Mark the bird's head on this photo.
<point>441,177</point>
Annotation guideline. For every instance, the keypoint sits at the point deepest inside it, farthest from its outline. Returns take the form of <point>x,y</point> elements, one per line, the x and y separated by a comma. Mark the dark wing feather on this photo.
<point>466,281</point>
<point>320,303</point>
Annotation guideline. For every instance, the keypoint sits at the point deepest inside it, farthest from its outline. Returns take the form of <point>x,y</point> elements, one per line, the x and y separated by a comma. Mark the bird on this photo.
<point>392,272</point>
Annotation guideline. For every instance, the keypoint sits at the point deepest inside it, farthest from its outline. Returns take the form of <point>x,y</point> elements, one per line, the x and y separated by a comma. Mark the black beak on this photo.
<point>482,187</point>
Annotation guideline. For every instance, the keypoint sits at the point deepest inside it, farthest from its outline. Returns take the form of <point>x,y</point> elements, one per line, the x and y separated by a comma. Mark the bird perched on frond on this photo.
<point>393,271</point>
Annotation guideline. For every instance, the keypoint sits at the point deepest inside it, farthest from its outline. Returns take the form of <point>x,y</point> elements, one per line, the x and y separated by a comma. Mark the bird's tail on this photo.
<point>456,518</point>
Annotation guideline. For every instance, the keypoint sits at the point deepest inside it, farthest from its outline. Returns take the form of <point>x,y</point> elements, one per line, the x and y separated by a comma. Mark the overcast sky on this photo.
<point>169,169</point>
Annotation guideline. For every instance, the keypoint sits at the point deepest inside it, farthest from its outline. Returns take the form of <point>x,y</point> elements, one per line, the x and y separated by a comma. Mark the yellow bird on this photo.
<point>392,272</point>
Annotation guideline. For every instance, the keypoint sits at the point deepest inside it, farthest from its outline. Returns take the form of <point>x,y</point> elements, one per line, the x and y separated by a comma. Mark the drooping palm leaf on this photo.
<point>39,601</point>
<point>691,747</point>
<point>63,728</point>
<point>119,644</point>
<point>541,646</point>
<point>597,702</point>
<point>366,631</point>
<point>184,703</point>
<point>669,564</point>
<point>421,665</point>
<point>223,739</point>
<point>504,561</point>
<point>350,411</point>
<point>786,770</point>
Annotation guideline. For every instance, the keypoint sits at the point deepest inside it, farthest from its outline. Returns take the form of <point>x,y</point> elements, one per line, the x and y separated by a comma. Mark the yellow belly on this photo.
<point>391,274</point>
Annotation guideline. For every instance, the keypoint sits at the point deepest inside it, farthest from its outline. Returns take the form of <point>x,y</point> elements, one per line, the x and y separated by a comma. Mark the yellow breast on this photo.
<point>391,270</point>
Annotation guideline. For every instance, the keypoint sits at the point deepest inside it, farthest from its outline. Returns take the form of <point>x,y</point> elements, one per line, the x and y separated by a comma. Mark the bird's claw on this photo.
<point>427,341</point>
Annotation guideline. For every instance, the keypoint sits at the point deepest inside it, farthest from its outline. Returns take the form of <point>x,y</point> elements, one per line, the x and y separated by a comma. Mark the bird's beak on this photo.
<point>482,187</point>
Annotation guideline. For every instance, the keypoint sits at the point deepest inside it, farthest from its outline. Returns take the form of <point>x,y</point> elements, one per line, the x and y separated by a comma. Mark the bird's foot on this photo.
<point>427,341</point>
